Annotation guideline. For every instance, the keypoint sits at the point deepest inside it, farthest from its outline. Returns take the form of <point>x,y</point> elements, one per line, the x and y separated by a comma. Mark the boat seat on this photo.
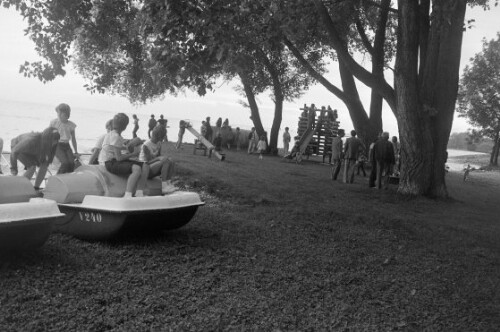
<point>15,189</point>
<point>91,180</point>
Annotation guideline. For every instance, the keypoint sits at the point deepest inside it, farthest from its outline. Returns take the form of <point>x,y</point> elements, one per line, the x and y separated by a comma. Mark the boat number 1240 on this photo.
<point>90,216</point>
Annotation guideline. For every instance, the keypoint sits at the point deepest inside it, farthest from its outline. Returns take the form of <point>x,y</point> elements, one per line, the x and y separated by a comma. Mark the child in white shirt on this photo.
<point>262,145</point>
<point>158,165</point>
<point>116,162</point>
<point>66,131</point>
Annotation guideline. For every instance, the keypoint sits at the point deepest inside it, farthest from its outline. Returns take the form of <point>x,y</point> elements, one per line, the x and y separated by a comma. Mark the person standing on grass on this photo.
<point>209,131</point>
<point>121,164</point>
<point>218,142</point>
<point>252,140</point>
<point>151,125</point>
<point>353,146</point>
<point>66,131</point>
<point>383,152</point>
<point>237,135</point>
<point>337,154</point>
<point>218,126</point>
<point>182,129</point>
<point>34,150</point>
<point>163,122</point>
<point>156,163</point>
<point>373,163</point>
<point>286,141</point>
<point>361,164</point>
<point>262,146</point>
<point>136,126</point>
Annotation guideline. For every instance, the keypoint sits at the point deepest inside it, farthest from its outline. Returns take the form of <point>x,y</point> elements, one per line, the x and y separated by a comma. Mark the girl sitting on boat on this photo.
<point>32,150</point>
<point>157,163</point>
<point>119,163</point>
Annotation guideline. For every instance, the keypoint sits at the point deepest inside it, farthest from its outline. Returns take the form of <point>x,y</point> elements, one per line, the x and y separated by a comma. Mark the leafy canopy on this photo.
<point>479,92</point>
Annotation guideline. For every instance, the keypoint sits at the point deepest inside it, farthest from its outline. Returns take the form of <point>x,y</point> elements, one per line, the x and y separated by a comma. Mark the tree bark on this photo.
<point>378,61</point>
<point>494,151</point>
<point>254,109</point>
<point>278,101</point>
<point>425,105</point>
<point>363,125</point>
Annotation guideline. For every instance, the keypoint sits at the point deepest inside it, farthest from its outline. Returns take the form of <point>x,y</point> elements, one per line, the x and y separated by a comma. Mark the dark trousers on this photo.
<point>383,173</point>
<point>336,166</point>
<point>349,165</point>
<point>373,174</point>
<point>66,157</point>
<point>361,167</point>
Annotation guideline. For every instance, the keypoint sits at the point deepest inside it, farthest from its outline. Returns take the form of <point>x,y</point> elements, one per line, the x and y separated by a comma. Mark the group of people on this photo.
<point>383,156</point>
<point>151,124</point>
<point>135,159</point>
<point>38,149</point>
<point>223,134</point>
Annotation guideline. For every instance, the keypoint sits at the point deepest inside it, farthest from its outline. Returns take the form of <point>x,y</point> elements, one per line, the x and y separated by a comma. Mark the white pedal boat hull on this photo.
<point>27,225</point>
<point>101,217</point>
<point>91,198</point>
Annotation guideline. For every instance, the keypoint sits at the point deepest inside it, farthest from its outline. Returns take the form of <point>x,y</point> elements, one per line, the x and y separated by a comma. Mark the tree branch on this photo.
<point>372,81</point>
<point>362,34</point>
<point>317,76</point>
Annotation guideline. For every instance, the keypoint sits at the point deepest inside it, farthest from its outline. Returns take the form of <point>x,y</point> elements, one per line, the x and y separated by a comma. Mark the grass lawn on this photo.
<point>278,246</point>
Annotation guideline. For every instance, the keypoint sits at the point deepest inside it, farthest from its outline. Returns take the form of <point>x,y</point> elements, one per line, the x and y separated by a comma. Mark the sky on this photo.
<point>15,48</point>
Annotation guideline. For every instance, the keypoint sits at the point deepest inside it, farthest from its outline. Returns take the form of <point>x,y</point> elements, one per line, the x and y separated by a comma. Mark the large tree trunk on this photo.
<point>425,105</point>
<point>378,61</point>
<point>494,151</point>
<point>275,128</point>
<point>278,101</point>
<point>366,128</point>
<point>254,109</point>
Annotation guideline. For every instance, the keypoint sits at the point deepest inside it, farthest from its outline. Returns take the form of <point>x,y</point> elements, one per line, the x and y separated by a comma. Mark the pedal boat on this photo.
<point>92,200</point>
<point>25,220</point>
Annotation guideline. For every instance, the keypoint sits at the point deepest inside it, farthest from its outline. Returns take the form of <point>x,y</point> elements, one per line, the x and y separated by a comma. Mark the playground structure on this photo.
<point>315,130</point>
<point>201,143</point>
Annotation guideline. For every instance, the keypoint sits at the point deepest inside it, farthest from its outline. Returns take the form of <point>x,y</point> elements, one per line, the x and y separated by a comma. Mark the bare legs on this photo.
<point>137,180</point>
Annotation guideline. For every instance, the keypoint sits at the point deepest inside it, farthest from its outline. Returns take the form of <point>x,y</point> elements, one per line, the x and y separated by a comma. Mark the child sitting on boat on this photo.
<point>119,163</point>
<point>93,160</point>
<point>157,163</point>
<point>32,150</point>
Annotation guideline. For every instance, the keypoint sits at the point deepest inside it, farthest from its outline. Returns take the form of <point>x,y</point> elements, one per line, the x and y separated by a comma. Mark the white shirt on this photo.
<point>111,139</point>
<point>153,148</point>
<point>64,129</point>
<point>98,143</point>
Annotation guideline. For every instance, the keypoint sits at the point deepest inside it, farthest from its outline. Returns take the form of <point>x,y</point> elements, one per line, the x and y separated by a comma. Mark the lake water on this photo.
<point>21,117</point>
<point>17,117</point>
<point>458,167</point>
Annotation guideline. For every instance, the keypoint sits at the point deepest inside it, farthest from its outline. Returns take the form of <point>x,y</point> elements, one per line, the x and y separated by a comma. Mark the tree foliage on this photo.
<point>479,93</point>
<point>143,49</point>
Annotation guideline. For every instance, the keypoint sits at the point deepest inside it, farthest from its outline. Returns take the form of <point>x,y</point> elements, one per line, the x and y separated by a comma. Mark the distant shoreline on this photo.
<point>461,153</point>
